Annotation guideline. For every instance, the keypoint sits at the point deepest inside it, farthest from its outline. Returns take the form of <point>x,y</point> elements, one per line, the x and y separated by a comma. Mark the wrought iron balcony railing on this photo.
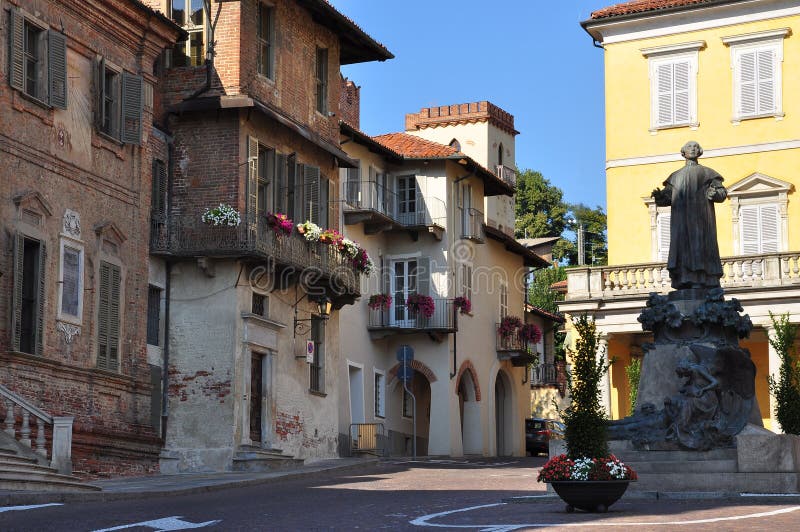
<point>509,175</point>
<point>188,236</point>
<point>472,225</point>
<point>370,196</point>
<point>363,197</point>
<point>544,374</point>
<point>509,342</point>
<point>401,319</point>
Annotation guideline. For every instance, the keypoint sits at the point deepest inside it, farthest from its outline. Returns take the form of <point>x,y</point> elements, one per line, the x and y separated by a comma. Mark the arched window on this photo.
<point>455,145</point>
<point>500,154</point>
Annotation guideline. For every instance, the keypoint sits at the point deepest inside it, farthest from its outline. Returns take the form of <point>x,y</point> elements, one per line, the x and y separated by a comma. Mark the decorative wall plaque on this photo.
<point>72,224</point>
<point>70,331</point>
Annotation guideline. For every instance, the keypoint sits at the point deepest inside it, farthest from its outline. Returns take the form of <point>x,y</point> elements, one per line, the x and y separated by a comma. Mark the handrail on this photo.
<point>37,412</point>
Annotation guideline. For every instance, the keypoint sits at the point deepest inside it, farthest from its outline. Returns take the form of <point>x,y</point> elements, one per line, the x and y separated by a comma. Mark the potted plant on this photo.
<point>463,304</point>
<point>223,214</point>
<point>588,476</point>
<point>362,262</point>
<point>380,301</point>
<point>420,306</point>
<point>530,333</point>
<point>310,231</point>
<point>509,326</point>
<point>280,223</point>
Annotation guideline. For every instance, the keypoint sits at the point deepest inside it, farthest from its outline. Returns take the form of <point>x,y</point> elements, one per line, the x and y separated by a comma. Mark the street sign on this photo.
<point>405,352</point>
<point>309,351</point>
<point>405,373</point>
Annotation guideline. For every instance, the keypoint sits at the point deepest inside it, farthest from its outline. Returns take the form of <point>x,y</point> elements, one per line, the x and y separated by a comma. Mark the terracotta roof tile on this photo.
<point>642,6</point>
<point>415,147</point>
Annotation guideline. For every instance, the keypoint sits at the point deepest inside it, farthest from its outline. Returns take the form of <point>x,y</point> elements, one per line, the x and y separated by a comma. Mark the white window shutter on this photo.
<point>664,87</point>
<point>748,221</point>
<point>768,216</point>
<point>681,78</point>
<point>766,80</point>
<point>747,83</point>
<point>663,223</point>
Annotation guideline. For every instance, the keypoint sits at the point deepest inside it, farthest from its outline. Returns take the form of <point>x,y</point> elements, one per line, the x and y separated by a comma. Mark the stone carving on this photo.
<point>691,192</point>
<point>72,224</point>
<point>69,330</point>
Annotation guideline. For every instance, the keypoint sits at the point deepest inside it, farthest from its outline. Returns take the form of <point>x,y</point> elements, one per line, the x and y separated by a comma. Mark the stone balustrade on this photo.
<point>743,271</point>
<point>61,451</point>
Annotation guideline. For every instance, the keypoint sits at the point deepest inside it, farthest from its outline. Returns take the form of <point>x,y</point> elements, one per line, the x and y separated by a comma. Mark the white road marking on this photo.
<point>163,524</point>
<point>29,507</point>
<point>424,520</point>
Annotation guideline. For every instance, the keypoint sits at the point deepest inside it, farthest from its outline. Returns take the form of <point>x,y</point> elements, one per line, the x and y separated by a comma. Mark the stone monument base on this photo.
<point>761,462</point>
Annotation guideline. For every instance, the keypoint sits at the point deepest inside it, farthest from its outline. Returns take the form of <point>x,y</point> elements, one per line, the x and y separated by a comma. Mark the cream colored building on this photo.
<point>416,204</point>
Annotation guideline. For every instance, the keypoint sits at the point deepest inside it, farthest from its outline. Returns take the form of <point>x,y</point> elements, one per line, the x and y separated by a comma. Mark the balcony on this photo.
<point>187,236</point>
<point>508,175</point>
<point>545,374</point>
<point>472,225</point>
<point>741,273</point>
<point>381,209</point>
<point>400,320</point>
<point>512,348</point>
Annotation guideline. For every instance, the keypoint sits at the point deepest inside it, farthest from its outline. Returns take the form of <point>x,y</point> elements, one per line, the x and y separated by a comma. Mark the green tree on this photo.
<point>595,244</point>
<point>539,293</point>
<point>786,388</point>
<point>586,432</point>
<point>633,372</point>
<point>540,209</point>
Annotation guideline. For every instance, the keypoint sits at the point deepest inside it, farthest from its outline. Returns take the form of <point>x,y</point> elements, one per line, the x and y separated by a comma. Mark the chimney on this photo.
<point>350,103</point>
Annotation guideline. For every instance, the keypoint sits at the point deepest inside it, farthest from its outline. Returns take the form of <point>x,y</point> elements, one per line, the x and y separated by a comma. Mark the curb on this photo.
<point>23,498</point>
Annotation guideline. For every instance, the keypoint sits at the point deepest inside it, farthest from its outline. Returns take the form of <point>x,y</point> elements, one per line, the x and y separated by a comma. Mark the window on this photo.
<point>503,301</point>
<point>317,367</point>
<point>71,282</point>
<point>759,229</point>
<point>756,62</point>
<point>266,39</point>
<point>352,178</point>
<point>380,394</point>
<point>119,104</point>
<point>190,15</point>
<point>153,315</point>
<point>455,144</point>
<point>28,297</point>
<point>108,317</point>
<point>663,220</point>
<point>37,61</point>
<point>673,84</point>
<point>408,404</point>
<point>266,178</point>
<point>466,281</point>
<point>322,80</point>
<point>312,183</point>
<point>407,193</point>
<point>260,305</point>
<point>465,205</point>
<point>500,154</point>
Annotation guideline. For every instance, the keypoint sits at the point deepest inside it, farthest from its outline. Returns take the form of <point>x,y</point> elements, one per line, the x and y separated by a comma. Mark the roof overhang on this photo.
<point>245,102</point>
<point>359,137</point>
<point>529,258</point>
<point>356,46</point>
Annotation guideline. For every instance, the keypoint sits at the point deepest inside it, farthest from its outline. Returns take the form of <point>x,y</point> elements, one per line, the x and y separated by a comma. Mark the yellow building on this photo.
<point>726,74</point>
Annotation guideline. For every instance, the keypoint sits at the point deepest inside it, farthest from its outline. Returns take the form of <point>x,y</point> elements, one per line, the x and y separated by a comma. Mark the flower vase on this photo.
<point>590,495</point>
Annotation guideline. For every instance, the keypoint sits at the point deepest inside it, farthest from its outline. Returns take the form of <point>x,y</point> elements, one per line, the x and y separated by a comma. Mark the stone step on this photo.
<point>691,466</point>
<point>252,458</point>
<point>16,459</point>
<point>38,482</point>
<point>717,482</point>
<point>20,467</point>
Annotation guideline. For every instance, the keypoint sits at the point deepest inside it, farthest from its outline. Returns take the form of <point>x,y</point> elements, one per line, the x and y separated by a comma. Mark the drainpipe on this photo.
<point>455,342</point>
<point>167,295</point>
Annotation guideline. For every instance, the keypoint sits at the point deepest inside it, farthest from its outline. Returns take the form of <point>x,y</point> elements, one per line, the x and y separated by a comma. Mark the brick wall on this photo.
<point>59,157</point>
<point>350,103</point>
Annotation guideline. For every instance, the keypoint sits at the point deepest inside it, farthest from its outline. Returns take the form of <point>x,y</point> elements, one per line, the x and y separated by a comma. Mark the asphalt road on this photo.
<point>495,495</point>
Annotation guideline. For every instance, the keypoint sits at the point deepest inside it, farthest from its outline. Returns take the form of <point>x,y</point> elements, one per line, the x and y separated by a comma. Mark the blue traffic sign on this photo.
<point>405,373</point>
<point>405,352</point>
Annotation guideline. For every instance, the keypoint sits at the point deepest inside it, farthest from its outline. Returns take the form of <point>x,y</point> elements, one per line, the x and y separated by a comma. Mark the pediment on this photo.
<point>33,200</point>
<point>109,231</point>
<point>758,184</point>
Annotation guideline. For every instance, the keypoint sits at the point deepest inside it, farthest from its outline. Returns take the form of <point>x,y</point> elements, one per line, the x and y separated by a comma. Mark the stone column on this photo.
<point>605,381</point>
<point>774,371</point>
<point>61,458</point>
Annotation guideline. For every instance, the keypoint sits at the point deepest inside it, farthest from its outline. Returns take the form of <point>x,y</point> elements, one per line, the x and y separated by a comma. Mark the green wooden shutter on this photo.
<point>279,190</point>
<point>99,86</point>
<point>158,200</point>
<point>39,342</point>
<point>57,68</point>
<point>16,314</point>
<point>252,178</point>
<point>424,276</point>
<point>131,104</point>
<point>16,45</point>
<point>311,185</point>
<point>102,316</point>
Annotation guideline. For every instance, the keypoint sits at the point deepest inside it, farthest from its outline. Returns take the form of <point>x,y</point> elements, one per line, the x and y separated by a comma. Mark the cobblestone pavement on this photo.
<point>490,495</point>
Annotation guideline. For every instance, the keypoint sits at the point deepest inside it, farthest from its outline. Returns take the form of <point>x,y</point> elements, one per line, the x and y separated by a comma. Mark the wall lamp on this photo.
<point>324,305</point>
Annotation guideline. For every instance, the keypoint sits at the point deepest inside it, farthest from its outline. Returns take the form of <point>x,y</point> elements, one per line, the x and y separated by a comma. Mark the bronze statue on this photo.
<point>692,191</point>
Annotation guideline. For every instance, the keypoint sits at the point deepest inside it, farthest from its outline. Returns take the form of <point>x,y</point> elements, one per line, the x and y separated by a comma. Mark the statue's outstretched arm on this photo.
<point>662,197</point>
<point>716,192</point>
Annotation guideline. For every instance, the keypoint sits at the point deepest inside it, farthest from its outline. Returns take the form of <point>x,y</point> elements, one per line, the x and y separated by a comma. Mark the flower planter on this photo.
<point>590,495</point>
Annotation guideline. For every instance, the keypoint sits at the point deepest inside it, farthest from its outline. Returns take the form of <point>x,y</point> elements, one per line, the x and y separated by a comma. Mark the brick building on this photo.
<point>77,92</point>
<point>251,102</point>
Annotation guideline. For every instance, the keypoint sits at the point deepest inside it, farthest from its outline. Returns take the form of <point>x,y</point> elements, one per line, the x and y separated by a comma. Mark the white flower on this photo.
<point>222,215</point>
<point>310,230</point>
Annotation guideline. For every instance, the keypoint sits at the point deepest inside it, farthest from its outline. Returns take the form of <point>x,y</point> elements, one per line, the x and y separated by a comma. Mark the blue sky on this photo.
<point>530,57</point>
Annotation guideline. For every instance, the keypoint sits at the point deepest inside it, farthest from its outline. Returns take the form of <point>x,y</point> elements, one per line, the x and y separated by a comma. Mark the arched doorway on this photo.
<point>502,414</point>
<point>401,430</point>
<point>469,408</point>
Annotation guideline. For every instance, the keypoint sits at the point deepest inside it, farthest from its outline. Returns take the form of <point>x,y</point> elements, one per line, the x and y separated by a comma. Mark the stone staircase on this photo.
<point>24,470</point>
<point>253,458</point>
